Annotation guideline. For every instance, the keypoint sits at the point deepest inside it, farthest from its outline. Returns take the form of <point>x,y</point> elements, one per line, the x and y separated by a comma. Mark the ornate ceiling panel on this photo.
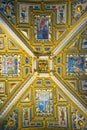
<point>70,64</point>
<point>43,65</point>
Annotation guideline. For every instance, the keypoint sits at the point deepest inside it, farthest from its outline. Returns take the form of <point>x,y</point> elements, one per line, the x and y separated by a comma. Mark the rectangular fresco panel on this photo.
<point>1,43</point>
<point>23,13</point>
<point>76,64</point>
<point>43,102</point>
<point>42,29</point>
<point>26,116</point>
<point>62,116</point>
<point>61,13</point>
<point>9,65</point>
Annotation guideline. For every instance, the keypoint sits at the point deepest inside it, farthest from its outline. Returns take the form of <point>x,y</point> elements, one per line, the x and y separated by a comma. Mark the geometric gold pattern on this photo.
<point>12,85</point>
<point>12,45</point>
<point>43,65</point>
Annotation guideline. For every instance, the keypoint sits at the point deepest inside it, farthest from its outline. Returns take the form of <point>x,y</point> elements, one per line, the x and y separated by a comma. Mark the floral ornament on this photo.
<point>11,123</point>
<point>7,7</point>
<point>78,120</point>
<point>78,9</point>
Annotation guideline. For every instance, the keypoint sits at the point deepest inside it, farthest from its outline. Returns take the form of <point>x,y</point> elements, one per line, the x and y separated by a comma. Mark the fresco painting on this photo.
<point>76,64</point>
<point>61,14</point>
<point>62,116</point>
<point>24,16</point>
<point>42,30</point>
<point>44,102</point>
<point>9,65</point>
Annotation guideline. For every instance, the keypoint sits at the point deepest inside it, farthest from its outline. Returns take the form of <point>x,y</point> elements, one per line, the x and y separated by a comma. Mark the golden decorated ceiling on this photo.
<point>43,64</point>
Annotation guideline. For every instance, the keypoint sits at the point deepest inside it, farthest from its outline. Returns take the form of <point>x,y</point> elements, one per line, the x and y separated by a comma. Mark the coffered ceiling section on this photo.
<point>15,63</point>
<point>43,64</point>
<point>43,24</point>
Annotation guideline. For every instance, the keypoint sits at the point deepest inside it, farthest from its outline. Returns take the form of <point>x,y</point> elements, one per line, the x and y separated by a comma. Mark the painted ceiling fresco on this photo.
<point>43,65</point>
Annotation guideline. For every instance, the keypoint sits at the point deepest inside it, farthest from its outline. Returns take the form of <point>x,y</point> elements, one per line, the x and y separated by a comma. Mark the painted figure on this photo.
<point>41,107</point>
<point>62,116</point>
<point>26,117</point>
<point>10,65</point>
<point>61,14</point>
<point>44,102</point>
<point>42,32</point>
<point>24,14</point>
<point>76,64</point>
